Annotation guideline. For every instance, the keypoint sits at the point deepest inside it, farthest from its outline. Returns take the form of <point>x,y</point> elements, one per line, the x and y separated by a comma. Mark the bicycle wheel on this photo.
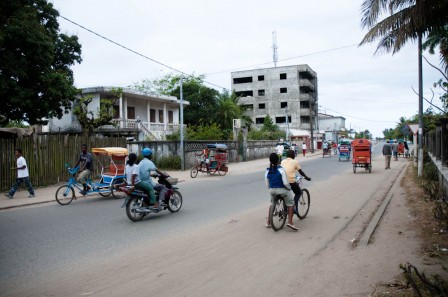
<point>64,195</point>
<point>222,169</point>
<point>278,213</point>
<point>303,205</point>
<point>175,201</point>
<point>115,193</point>
<point>194,172</point>
<point>135,203</point>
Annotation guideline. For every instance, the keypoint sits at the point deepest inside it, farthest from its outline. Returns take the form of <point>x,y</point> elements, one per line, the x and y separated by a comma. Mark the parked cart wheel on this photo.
<point>354,168</point>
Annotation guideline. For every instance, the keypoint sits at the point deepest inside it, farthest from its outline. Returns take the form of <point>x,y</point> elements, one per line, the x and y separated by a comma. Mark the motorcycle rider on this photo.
<point>133,180</point>
<point>145,167</point>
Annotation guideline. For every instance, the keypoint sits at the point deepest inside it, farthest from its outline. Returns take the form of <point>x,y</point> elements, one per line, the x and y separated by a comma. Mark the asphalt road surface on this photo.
<point>43,247</point>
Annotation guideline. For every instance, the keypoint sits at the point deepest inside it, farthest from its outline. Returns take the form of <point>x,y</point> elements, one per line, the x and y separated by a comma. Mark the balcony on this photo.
<point>305,112</point>
<point>306,84</point>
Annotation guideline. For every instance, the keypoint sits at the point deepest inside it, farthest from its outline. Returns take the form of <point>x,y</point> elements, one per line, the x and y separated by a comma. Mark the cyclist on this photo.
<point>291,167</point>
<point>277,183</point>
<point>85,169</point>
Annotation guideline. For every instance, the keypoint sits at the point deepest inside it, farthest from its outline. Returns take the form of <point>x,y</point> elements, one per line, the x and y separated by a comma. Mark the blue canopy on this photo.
<point>219,146</point>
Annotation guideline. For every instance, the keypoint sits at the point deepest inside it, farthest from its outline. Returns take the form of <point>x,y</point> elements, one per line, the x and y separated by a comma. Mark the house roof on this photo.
<point>130,93</point>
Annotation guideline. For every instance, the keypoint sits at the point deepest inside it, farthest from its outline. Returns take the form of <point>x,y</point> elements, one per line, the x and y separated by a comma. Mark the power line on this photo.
<point>375,121</point>
<point>365,100</point>
<point>286,59</point>
<point>135,52</point>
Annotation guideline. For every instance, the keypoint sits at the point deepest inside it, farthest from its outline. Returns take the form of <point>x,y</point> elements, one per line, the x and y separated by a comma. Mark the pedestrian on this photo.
<point>406,148</point>
<point>387,153</point>
<point>22,175</point>
<point>85,163</point>
<point>280,148</point>
<point>304,148</point>
<point>395,150</point>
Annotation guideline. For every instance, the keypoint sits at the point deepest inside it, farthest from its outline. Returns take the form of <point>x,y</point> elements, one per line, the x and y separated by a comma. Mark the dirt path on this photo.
<point>239,257</point>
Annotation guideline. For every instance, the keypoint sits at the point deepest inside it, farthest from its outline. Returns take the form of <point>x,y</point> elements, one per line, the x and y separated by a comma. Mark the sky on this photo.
<point>371,91</point>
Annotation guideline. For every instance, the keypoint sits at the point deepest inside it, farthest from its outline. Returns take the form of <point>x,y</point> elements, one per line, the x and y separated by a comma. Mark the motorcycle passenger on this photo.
<point>145,167</point>
<point>291,167</point>
<point>277,183</point>
<point>133,179</point>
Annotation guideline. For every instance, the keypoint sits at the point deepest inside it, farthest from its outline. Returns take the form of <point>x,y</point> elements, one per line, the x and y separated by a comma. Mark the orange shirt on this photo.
<point>291,167</point>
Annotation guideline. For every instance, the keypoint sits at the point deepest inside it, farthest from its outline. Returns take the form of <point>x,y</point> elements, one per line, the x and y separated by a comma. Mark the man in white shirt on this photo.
<point>22,176</point>
<point>280,148</point>
<point>304,148</point>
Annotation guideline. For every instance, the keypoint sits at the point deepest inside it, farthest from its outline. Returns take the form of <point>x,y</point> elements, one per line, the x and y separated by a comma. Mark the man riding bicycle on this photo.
<point>291,166</point>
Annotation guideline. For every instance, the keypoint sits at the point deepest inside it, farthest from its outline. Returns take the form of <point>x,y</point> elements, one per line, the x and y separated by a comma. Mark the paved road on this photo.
<point>42,240</point>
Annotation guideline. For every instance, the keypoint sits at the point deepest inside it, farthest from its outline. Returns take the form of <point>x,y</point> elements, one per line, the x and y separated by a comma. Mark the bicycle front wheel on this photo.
<point>278,213</point>
<point>303,205</point>
<point>64,195</point>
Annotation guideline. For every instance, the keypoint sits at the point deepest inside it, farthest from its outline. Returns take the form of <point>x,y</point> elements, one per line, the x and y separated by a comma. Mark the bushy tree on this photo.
<point>104,115</point>
<point>36,81</point>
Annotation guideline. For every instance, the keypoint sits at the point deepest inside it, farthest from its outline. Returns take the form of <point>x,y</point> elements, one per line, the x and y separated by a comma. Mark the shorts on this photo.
<point>289,201</point>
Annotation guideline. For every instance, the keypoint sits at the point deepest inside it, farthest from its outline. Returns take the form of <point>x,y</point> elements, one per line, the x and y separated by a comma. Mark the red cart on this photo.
<point>362,154</point>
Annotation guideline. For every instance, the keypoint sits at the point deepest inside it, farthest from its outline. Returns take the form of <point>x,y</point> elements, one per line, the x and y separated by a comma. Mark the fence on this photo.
<point>46,155</point>
<point>436,142</point>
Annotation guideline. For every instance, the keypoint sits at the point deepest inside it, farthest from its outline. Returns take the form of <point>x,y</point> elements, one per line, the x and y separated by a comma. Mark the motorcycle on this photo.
<point>136,207</point>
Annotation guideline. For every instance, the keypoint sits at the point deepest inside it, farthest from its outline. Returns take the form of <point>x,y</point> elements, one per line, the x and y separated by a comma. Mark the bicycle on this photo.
<point>279,211</point>
<point>66,193</point>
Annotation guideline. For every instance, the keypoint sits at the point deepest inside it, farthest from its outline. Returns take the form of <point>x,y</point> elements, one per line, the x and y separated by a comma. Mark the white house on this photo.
<point>135,112</point>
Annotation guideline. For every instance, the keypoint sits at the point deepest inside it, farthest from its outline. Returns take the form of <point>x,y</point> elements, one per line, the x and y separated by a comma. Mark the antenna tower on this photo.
<point>274,48</point>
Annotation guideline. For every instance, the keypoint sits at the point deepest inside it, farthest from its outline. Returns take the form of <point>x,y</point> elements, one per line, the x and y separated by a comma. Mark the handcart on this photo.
<point>344,150</point>
<point>212,160</point>
<point>362,154</point>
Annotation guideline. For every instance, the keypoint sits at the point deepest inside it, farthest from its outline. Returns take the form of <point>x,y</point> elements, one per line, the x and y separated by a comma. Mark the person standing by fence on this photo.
<point>22,176</point>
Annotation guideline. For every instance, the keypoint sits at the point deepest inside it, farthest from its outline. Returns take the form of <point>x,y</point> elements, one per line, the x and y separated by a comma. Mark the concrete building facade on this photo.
<point>288,94</point>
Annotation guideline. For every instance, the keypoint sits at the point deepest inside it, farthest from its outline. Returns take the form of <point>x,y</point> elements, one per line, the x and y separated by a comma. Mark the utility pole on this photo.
<point>182,153</point>
<point>420,107</point>
<point>274,48</point>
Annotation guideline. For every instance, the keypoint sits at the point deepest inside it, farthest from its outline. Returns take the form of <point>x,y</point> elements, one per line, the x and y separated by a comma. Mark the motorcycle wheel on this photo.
<point>175,201</point>
<point>115,193</point>
<point>133,204</point>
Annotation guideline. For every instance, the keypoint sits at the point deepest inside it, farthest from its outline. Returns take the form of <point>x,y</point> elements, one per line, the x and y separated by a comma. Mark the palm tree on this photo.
<point>439,37</point>
<point>407,19</point>
<point>228,108</point>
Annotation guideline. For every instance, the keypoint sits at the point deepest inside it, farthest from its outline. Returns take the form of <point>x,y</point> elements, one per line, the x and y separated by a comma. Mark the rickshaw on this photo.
<point>112,172</point>
<point>326,151</point>
<point>212,160</point>
<point>344,150</point>
<point>362,154</point>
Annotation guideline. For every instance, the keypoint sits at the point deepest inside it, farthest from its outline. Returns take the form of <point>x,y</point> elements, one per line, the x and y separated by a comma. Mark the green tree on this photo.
<point>404,21</point>
<point>439,37</point>
<point>104,115</point>
<point>35,77</point>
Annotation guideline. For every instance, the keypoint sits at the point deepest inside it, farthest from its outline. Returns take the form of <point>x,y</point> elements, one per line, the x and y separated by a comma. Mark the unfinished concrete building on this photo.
<point>287,94</point>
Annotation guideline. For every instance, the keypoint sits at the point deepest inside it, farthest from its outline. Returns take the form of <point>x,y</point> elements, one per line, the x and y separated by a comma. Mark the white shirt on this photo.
<point>280,149</point>
<point>303,146</point>
<point>130,171</point>
<point>22,172</point>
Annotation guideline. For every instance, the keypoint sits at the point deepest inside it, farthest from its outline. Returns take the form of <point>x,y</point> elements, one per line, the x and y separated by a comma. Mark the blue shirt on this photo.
<point>145,167</point>
<point>276,178</point>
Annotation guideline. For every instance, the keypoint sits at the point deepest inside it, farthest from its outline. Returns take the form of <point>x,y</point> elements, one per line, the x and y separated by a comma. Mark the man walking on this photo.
<point>22,175</point>
<point>387,153</point>
<point>304,148</point>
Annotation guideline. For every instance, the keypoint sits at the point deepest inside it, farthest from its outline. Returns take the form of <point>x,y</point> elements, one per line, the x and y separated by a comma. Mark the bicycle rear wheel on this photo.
<point>303,205</point>
<point>278,213</point>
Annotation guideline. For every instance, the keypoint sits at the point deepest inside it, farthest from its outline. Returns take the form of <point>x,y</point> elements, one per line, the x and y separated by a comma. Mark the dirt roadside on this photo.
<point>349,268</point>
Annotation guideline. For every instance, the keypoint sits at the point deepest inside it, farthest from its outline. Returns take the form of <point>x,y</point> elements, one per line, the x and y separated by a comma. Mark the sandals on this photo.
<point>293,227</point>
<point>267,225</point>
